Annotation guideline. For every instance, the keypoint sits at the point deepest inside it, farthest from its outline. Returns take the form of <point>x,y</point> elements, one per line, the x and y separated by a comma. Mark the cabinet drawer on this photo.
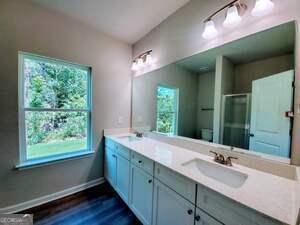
<point>118,148</point>
<point>142,162</point>
<point>110,143</point>
<point>122,151</point>
<point>177,182</point>
<point>227,211</point>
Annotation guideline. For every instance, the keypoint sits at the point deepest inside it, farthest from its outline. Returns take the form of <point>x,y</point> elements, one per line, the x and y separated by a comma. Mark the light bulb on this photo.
<point>210,30</point>
<point>134,66</point>
<point>262,7</point>
<point>140,63</point>
<point>232,17</point>
<point>149,59</point>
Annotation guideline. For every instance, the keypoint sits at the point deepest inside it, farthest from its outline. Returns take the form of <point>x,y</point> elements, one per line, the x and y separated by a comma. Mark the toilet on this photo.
<point>207,134</point>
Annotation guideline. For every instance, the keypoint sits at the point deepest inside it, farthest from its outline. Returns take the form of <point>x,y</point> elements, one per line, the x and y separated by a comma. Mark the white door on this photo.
<point>270,128</point>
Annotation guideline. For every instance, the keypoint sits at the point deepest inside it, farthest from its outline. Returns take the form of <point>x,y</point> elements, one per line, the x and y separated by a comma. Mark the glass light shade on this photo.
<point>149,59</point>
<point>262,7</point>
<point>232,17</point>
<point>134,66</point>
<point>210,30</point>
<point>140,63</point>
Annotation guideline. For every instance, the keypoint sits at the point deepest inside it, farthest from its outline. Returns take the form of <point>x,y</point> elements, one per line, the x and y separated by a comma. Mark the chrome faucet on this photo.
<point>219,158</point>
<point>139,134</point>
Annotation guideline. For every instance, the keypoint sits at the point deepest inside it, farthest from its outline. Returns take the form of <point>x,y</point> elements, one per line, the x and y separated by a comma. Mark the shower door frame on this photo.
<point>248,114</point>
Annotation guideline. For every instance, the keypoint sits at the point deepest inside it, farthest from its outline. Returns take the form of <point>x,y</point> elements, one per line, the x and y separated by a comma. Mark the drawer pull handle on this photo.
<point>190,212</point>
<point>140,161</point>
<point>197,218</point>
<point>149,181</point>
<point>114,156</point>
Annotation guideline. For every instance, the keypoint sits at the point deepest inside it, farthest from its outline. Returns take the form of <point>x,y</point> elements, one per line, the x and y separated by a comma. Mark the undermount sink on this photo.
<point>217,172</point>
<point>130,138</point>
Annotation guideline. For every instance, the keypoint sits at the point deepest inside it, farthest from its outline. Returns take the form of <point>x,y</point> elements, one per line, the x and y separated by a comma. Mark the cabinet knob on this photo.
<point>197,218</point>
<point>149,181</point>
<point>190,211</point>
<point>140,161</point>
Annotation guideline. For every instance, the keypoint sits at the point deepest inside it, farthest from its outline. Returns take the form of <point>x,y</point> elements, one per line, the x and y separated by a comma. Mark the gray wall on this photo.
<point>26,27</point>
<point>144,98</point>
<point>244,74</point>
<point>223,86</point>
<point>206,86</point>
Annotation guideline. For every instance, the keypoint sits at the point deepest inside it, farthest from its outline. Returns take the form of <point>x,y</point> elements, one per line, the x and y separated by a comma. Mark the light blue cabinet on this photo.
<point>122,177</point>
<point>110,166</point>
<point>160,196</point>
<point>141,194</point>
<point>202,218</point>
<point>170,208</point>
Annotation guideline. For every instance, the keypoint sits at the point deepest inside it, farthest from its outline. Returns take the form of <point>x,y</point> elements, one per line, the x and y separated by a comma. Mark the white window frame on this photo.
<point>175,122</point>
<point>23,161</point>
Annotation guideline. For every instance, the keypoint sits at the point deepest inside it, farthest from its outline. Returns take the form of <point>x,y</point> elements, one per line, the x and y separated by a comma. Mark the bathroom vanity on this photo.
<point>165,184</point>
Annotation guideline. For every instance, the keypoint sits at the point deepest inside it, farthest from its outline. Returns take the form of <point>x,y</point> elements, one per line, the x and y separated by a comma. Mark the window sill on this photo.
<point>53,160</point>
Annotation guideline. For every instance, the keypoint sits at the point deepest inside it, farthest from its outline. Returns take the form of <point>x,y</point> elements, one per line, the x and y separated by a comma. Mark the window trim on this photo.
<point>23,161</point>
<point>176,112</point>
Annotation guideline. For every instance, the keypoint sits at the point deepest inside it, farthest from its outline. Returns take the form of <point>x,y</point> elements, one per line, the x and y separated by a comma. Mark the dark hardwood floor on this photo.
<point>99,205</point>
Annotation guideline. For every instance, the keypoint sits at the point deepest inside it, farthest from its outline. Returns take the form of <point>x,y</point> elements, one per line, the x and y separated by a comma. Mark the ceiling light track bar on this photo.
<point>221,9</point>
<point>143,55</point>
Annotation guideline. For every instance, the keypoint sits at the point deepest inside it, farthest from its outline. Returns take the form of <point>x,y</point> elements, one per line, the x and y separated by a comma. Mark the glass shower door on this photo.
<point>236,120</point>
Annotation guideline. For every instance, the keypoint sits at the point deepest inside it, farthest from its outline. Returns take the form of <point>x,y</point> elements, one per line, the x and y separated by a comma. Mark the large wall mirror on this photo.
<point>239,94</point>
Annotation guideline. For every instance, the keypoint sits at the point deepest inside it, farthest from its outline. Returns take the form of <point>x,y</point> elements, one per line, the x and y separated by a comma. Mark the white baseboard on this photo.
<point>48,198</point>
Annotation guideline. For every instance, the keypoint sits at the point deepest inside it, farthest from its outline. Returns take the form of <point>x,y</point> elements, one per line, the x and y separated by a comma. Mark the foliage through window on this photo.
<point>54,107</point>
<point>167,110</point>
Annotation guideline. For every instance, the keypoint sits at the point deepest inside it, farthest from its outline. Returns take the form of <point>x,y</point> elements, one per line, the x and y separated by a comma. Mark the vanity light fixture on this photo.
<point>148,59</point>
<point>235,10</point>
<point>234,15</point>
<point>262,7</point>
<point>144,59</point>
<point>140,63</point>
<point>210,30</point>
<point>134,66</point>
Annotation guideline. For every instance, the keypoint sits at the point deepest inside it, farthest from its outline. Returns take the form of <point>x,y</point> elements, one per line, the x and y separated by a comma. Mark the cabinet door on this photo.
<point>204,219</point>
<point>141,194</point>
<point>122,178</point>
<point>170,208</point>
<point>110,166</point>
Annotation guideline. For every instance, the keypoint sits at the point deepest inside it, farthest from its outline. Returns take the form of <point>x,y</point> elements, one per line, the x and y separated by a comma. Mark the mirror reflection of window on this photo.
<point>167,110</point>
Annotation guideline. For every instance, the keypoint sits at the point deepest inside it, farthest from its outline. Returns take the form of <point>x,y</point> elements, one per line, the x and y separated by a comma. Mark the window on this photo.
<point>167,110</point>
<point>54,107</point>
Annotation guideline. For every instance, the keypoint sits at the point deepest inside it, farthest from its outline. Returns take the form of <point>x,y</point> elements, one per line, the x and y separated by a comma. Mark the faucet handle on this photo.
<point>228,161</point>
<point>217,155</point>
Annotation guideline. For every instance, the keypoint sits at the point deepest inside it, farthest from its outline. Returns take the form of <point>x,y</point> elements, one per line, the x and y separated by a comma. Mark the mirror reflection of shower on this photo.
<point>235,125</point>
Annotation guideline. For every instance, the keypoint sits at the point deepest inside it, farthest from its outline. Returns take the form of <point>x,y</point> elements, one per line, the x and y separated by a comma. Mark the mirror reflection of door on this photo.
<point>270,128</point>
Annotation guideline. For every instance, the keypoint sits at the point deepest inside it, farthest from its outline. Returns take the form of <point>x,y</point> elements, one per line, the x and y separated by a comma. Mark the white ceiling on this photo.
<point>126,20</point>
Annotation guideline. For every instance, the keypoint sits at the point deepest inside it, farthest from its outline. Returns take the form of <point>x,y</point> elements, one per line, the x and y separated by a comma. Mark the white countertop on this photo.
<point>268,194</point>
